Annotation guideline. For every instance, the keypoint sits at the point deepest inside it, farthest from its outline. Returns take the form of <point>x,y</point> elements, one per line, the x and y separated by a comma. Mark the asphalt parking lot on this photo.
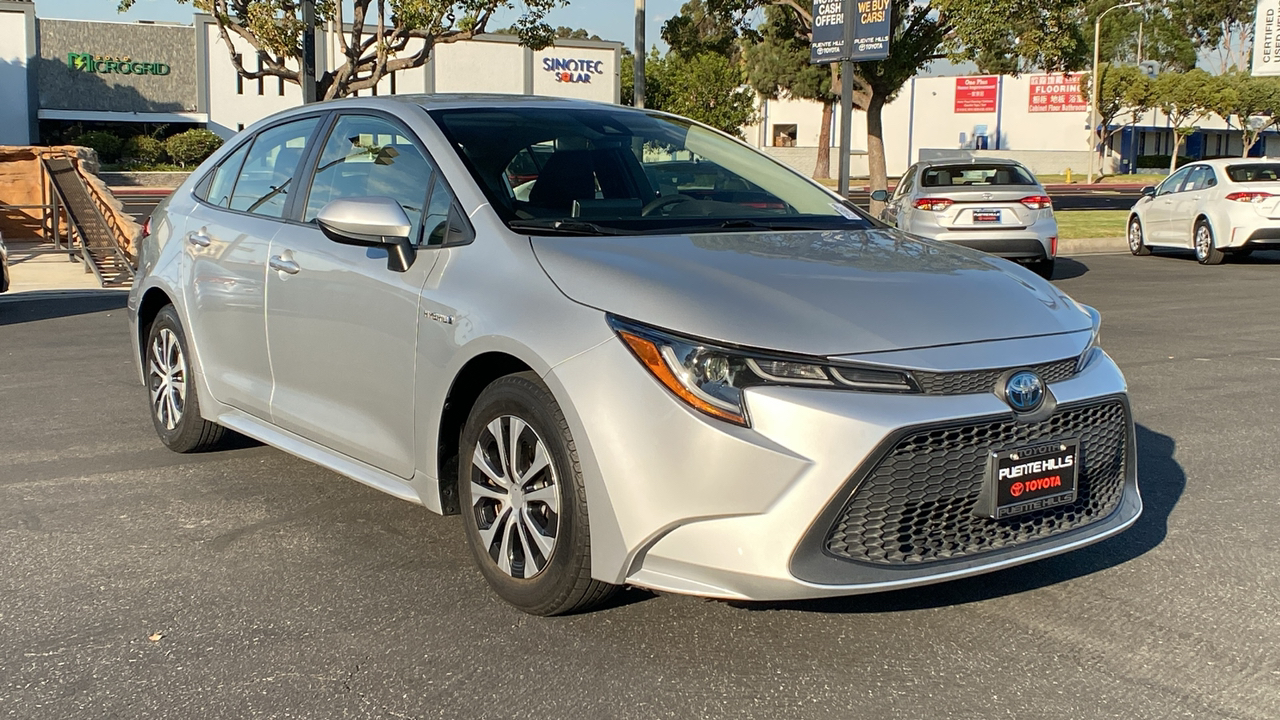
<point>245,583</point>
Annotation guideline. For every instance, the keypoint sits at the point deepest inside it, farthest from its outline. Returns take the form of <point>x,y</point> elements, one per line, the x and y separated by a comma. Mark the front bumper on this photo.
<point>687,504</point>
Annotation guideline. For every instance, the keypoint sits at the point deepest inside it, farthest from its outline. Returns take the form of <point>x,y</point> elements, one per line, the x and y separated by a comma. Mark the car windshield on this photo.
<point>967,174</point>
<point>1254,172</point>
<point>615,171</point>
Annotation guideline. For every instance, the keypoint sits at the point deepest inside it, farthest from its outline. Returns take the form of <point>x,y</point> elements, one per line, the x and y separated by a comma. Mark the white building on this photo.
<point>1036,118</point>
<point>74,71</point>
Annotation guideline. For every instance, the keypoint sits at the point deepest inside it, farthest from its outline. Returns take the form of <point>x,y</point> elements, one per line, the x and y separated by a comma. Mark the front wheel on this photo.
<point>1136,244</point>
<point>524,504</point>
<point>1206,253</point>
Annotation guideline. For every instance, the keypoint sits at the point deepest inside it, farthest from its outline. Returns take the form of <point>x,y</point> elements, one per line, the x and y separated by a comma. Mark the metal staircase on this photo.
<point>99,244</point>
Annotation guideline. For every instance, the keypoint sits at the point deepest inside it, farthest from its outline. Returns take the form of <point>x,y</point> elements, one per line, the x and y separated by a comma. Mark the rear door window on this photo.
<point>266,179</point>
<point>224,178</point>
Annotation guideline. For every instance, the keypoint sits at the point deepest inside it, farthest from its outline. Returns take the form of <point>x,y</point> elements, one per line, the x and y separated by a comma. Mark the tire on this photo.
<point>175,409</point>
<point>1043,268</point>
<point>1206,253</point>
<point>535,549</point>
<point>1136,244</point>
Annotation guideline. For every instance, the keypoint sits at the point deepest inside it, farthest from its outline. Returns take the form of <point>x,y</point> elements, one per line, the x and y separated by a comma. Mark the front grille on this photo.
<point>916,503</point>
<point>971,382</point>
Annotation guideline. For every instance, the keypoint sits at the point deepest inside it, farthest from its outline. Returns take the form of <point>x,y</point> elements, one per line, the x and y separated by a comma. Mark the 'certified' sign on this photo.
<point>88,62</point>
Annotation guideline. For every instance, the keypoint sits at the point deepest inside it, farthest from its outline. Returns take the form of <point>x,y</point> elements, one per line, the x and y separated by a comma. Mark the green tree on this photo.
<point>708,88</point>
<point>1124,94</point>
<point>1253,102</point>
<point>1163,39</point>
<point>378,39</point>
<point>697,29</point>
<point>1020,34</point>
<point>1185,98</point>
<point>778,65</point>
<point>1221,29</point>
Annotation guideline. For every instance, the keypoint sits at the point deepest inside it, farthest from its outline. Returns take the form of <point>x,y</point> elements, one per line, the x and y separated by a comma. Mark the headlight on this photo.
<point>711,378</point>
<point>1094,348</point>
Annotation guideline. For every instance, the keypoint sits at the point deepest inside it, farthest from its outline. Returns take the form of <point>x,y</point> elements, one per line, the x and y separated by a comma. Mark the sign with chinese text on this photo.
<point>1056,93</point>
<point>977,94</point>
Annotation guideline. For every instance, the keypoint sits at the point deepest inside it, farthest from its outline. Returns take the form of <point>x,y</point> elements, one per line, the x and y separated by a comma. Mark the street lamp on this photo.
<point>1093,82</point>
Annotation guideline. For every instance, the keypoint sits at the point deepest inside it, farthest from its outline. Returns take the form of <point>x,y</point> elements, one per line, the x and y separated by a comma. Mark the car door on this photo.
<point>893,209</point>
<point>342,326</point>
<point>1186,204</point>
<point>1157,217</point>
<point>228,234</point>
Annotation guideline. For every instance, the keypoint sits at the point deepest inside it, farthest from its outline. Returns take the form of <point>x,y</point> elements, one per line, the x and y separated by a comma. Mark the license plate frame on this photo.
<point>1029,478</point>
<point>988,215</point>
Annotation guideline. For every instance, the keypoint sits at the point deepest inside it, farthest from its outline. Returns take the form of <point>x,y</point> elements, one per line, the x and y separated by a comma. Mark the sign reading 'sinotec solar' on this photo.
<point>88,62</point>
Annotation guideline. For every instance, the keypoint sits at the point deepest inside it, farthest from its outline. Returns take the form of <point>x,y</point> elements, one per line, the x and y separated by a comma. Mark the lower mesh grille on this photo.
<point>916,504</point>
<point>971,382</point>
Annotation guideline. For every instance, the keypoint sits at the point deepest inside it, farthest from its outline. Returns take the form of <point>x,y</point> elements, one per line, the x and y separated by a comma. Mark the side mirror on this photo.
<point>1149,191</point>
<point>370,222</point>
<point>880,195</point>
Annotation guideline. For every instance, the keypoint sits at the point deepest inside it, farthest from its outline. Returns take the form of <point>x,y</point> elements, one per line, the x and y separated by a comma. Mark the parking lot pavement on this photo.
<point>246,583</point>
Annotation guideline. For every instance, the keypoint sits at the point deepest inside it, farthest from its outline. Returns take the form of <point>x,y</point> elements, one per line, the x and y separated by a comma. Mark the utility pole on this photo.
<point>308,69</point>
<point>846,97</point>
<point>640,54</point>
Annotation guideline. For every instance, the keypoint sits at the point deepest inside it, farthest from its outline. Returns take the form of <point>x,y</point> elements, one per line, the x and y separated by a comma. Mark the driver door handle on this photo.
<point>285,266</point>
<point>199,238</point>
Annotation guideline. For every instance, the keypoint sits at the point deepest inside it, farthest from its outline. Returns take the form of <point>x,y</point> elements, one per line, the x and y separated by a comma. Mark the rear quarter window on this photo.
<point>1254,172</point>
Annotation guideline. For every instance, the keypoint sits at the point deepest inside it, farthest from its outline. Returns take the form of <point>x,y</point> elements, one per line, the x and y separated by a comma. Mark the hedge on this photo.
<point>190,148</point>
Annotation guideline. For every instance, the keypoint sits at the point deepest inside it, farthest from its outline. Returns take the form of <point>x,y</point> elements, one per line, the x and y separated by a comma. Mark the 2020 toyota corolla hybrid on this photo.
<point>627,349</point>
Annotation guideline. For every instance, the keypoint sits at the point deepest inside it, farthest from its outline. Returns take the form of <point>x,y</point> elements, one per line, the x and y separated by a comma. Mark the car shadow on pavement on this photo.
<point>1161,481</point>
<point>1066,268</point>
<point>47,304</point>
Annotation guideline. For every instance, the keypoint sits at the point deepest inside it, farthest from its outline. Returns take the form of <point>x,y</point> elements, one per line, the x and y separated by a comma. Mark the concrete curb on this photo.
<point>1089,246</point>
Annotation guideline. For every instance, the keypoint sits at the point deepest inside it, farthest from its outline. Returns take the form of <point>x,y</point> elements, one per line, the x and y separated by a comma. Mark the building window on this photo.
<point>260,78</point>
<point>280,89</point>
<point>239,77</point>
<point>239,127</point>
<point>785,135</point>
<point>393,83</point>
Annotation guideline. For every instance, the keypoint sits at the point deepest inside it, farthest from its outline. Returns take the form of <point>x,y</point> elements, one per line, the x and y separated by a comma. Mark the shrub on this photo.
<point>144,149</point>
<point>192,147</point>
<point>1159,162</point>
<point>107,146</point>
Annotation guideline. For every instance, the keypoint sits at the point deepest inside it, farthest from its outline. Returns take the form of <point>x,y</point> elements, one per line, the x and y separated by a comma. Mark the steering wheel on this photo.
<point>663,202</point>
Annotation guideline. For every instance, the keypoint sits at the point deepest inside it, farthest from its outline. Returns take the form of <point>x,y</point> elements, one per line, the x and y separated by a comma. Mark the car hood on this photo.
<point>812,292</point>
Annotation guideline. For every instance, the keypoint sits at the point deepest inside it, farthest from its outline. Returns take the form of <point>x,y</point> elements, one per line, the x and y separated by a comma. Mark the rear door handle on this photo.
<point>199,238</point>
<point>286,266</point>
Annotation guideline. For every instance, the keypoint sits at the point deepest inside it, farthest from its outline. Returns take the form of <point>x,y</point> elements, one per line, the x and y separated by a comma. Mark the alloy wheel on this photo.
<point>515,497</point>
<point>167,378</point>
<point>1204,241</point>
<point>1135,238</point>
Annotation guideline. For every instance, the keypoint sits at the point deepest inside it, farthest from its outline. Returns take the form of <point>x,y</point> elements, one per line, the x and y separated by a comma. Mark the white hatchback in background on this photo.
<point>990,204</point>
<point>1214,207</point>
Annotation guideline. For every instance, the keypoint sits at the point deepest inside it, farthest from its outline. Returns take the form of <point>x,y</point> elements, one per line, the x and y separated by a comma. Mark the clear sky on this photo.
<point>610,19</point>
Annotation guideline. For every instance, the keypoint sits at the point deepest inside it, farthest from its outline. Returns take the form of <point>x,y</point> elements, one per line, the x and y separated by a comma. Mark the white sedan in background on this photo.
<point>1214,207</point>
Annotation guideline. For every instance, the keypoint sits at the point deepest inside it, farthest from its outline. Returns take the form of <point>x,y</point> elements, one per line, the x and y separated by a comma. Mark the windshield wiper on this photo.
<point>564,227</point>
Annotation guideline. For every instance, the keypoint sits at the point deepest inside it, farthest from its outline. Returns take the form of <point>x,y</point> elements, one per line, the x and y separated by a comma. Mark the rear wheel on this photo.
<point>1206,253</point>
<point>524,504</point>
<point>175,409</point>
<point>1136,244</point>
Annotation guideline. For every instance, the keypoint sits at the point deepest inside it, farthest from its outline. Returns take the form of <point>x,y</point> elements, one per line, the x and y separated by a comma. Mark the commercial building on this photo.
<point>1039,119</point>
<point>74,71</point>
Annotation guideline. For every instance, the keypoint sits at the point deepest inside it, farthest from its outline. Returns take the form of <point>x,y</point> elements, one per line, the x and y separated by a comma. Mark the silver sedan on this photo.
<point>628,350</point>
<point>990,204</point>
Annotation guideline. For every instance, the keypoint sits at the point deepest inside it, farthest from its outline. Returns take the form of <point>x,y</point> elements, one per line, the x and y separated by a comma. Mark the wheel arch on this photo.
<point>152,302</point>
<point>476,374</point>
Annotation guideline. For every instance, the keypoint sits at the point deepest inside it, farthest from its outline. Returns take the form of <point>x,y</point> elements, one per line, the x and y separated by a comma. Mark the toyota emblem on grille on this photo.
<point>1024,391</point>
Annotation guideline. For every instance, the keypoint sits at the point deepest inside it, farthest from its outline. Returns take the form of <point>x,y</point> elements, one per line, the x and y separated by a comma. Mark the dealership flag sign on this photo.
<point>870,31</point>
<point>1265,59</point>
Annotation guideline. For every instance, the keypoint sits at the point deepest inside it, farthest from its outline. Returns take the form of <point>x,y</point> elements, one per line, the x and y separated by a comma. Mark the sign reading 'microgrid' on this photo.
<point>88,62</point>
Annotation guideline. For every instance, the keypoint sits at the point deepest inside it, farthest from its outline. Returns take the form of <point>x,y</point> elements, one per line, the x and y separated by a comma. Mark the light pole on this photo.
<point>639,64</point>
<point>1093,83</point>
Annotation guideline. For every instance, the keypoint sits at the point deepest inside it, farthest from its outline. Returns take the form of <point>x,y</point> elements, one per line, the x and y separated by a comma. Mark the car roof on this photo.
<point>1224,162</point>
<point>964,160</point>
